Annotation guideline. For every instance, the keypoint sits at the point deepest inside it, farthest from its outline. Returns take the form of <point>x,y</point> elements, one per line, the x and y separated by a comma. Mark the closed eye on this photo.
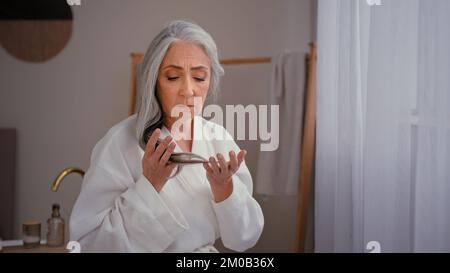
<point>196,78</point>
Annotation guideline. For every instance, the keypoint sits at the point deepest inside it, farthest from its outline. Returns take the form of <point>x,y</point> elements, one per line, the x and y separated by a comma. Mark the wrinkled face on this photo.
<point>184,73</point>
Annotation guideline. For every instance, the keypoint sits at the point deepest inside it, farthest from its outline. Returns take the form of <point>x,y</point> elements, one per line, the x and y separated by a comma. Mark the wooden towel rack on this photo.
<point>307,156</point>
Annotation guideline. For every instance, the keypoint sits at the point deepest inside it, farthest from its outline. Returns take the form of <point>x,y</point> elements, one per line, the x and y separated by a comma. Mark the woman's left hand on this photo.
<point>220,173</point>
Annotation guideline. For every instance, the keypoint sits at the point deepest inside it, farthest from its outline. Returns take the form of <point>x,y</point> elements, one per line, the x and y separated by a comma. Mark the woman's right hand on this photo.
<point>155,163</point>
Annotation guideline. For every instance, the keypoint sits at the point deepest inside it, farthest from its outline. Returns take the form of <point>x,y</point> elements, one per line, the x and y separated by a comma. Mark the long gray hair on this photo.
<point>149,115</point>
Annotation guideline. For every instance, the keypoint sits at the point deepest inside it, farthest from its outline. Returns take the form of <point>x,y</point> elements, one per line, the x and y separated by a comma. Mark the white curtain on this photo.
<point>383,126</point>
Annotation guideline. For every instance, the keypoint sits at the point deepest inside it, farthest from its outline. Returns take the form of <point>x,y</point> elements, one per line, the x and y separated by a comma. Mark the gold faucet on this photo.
<point>63,175</point>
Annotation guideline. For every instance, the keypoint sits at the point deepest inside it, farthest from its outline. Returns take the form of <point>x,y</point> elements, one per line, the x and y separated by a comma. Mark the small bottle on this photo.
<point>55,224</point>
<point>31,234</point>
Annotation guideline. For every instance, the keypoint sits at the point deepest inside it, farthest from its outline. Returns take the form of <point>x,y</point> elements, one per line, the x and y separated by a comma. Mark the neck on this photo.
<point>185,133</point>
<point>183,138</point>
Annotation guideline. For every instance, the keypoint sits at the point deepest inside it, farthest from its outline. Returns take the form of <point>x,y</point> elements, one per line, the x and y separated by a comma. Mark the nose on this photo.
<point>187,88</point>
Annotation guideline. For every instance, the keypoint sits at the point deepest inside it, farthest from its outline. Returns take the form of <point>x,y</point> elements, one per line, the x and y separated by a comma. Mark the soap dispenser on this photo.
<point>55,225</point>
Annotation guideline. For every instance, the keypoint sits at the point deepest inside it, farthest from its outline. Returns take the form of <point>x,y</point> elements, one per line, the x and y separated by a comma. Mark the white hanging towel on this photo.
<point>278,171</point>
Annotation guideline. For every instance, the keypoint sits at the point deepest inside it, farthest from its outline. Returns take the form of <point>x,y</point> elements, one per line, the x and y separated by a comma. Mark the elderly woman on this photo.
<point>134,198</point>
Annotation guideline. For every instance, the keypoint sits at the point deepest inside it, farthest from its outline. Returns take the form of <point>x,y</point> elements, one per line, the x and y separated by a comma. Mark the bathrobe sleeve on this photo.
<point>239,216</point>
<point>115,213</point>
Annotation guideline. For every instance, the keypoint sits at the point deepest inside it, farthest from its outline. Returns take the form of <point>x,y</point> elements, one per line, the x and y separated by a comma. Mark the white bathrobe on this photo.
<point>118,210</point>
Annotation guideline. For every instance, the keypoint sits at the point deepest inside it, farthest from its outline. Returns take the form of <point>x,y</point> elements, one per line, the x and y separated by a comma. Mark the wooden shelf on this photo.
<point>39,249</point>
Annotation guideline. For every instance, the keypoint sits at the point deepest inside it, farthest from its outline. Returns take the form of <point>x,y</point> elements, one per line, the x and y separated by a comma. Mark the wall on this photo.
<point>62,107</point>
